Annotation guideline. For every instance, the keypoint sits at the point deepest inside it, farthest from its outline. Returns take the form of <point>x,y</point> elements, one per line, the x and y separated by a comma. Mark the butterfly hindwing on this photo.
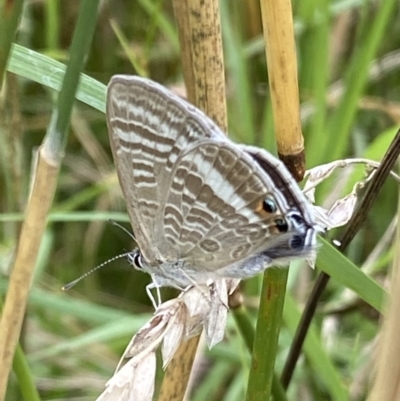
<point>214,212</point>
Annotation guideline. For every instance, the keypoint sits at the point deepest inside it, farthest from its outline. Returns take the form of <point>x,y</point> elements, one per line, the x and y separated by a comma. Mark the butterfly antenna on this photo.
<point>114,223</point>
<point>76,281</point>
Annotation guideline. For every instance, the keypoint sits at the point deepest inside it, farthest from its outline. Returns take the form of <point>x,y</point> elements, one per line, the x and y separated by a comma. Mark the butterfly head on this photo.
<point>135,259</point>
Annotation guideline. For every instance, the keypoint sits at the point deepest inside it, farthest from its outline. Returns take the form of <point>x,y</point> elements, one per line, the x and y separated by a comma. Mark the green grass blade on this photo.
<point>343,118</point>
<point>112,330</point>
<point>23,373</point>
<point>320,362</point>
<point>10,14</point>
<point>56,136</point>
<point>332,262</point>
<point>50,73</point>
<point>267,334</point>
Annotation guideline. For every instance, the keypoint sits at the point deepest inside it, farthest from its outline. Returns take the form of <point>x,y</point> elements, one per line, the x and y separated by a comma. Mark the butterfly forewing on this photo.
<point>149,127</point>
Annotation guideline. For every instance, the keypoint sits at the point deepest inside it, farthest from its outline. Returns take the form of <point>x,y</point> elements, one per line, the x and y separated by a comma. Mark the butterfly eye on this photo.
<point>136,260</point>
<point>269,205</point>
<point>281,225</point>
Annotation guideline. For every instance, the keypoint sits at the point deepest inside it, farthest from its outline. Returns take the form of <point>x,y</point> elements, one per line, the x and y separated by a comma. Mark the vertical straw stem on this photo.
<point>41,197</point>
<point>283,83</point>
<point>203,69</point>
<point>282,72</point>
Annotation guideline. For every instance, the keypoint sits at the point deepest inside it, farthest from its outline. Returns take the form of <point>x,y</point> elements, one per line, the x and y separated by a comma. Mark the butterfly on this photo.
<point>201,206</point>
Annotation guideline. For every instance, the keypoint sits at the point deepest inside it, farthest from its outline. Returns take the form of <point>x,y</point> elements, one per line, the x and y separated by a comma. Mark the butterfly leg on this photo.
<point>149,287</point>
<point>155,304</point>
<point>158,295</point>
<point>150,295</point>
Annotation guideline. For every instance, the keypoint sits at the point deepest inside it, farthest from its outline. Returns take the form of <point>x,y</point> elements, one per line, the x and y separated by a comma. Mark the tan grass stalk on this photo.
<point>282,72</point>
<point>203,68</point>
<point>40,201</point>
<point>202,57</point>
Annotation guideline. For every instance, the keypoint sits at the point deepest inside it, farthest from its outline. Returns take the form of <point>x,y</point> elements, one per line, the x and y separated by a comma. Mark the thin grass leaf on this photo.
<point>107,332</point>
<point>267,333</point>
<point>50,73</point>
<point>24,376</point>
<point>356,79</point>
<point>336,265</point>
<point>10,15</point>
<point>323,368</point>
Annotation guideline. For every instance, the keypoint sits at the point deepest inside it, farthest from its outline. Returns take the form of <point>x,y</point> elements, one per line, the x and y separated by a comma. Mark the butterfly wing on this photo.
<point>149,127</point>
<point>227,202</point>
<point>192,194</point>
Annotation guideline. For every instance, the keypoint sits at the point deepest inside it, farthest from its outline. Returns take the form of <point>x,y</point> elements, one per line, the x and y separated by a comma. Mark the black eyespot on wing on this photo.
<point>269,205</point>
<point>282,225</point>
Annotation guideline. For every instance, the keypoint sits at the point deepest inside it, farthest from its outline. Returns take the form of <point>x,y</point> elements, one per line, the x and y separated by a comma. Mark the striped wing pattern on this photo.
<point>213,212</point>
<point>198,203</point>
<point>148,130</point>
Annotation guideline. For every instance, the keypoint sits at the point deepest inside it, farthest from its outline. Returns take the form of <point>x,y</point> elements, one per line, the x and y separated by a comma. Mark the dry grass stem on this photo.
<point>203,69</point>
<point>282,73</point>
<point>178,372</point>
<point>40,201</point>
<point>202,58</point>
